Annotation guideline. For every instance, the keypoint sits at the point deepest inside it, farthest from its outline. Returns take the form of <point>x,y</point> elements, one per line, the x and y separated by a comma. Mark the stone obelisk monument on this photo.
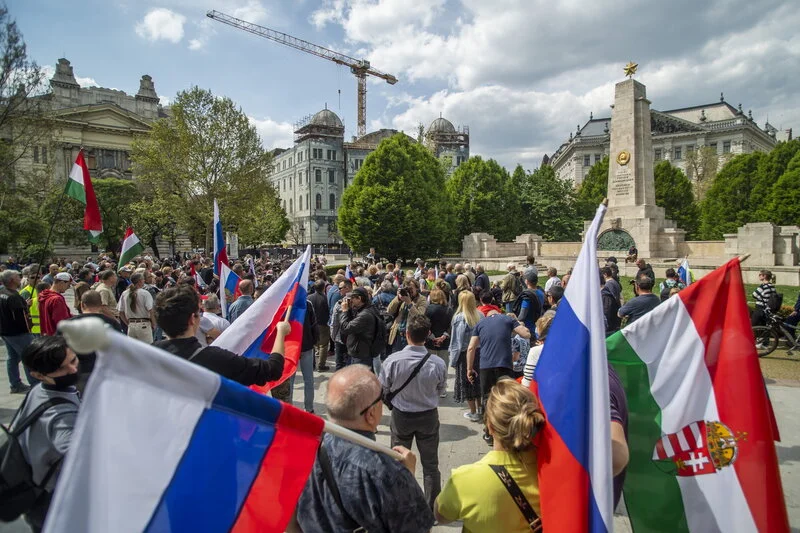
<point>631,186</point>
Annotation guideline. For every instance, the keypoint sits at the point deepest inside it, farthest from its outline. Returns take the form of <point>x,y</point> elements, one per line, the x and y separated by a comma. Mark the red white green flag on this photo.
<point>131,247</point>
<point>701,429</point>
<point>79,187</point>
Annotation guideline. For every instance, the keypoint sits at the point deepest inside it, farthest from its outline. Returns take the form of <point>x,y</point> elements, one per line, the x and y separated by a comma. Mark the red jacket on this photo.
<point>53,309</point>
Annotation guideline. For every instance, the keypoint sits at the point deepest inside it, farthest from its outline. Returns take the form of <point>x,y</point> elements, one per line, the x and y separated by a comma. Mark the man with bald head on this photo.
<point>376,492</point>
<point>237,308</point>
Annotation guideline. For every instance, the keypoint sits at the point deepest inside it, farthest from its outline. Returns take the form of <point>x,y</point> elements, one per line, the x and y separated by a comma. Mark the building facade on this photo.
<point>676,134</point>
<point>311,176</point>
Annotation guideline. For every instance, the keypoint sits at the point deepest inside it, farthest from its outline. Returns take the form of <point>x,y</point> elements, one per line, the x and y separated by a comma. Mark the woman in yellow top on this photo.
<point>474,493</point>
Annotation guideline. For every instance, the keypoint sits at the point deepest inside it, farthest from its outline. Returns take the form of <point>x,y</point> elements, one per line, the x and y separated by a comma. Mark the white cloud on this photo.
<point>196,44</point>
<point>251,11</point>
<point>274,134</point>
<point>163,100</point>
<point>161,23</point>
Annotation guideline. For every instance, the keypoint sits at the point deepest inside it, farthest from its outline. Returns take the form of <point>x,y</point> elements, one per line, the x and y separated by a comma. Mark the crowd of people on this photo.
<point>391,333</point>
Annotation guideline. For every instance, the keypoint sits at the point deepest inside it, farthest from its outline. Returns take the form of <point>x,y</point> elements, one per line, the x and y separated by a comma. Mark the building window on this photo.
<point>318,176</point>
<point>318,202</point>
<point>35,154</point>
<point>726,147</point>
<point>299,157</point>
<point>308,201</point>
<point>658,154</point>
<point>597,158</point>
<point>333,201</point>
<point>291,209</point>
<point>284,184</point>
<point>678,153</point>
<point>290,183</point>
<point>587,160</point>
<point>317,153</point>
<point>689,149</point>
<point>300,178</point>
<point>331,176</point>
<point>331,155</point>
<point>713,146</point>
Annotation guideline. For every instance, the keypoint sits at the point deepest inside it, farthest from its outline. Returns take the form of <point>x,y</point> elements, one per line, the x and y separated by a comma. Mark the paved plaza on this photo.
<point>461,441</point>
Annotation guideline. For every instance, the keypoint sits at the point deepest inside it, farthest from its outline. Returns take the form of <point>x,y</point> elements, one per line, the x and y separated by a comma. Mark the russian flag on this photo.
<point>253,333</point>
<point>220,252</point>
<point>164,445</point>
<point>574,455</point>
<point>349,275</point>
<point>228,284</point>
<point>685,273</point>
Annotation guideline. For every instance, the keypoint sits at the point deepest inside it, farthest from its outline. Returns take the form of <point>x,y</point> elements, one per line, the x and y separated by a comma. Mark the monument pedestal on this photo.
<point>631,185</point>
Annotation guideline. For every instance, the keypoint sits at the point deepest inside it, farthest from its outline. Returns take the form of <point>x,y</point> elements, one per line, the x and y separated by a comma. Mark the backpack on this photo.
<point>18,492</point>
<point>384,313</point>
<point>381,338</point>
<point>774,301</point>
<point>517,287</point>
<point>535,308</point>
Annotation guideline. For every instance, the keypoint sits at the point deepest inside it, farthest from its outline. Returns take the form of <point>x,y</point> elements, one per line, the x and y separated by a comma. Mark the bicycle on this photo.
<point>767,337</point>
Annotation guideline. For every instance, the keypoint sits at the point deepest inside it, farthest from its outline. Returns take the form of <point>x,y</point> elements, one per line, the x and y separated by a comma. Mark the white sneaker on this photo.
<point>472,417</point>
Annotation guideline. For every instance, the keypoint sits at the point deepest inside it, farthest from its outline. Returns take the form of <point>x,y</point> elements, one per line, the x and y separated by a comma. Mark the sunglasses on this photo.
<point>373,404</point>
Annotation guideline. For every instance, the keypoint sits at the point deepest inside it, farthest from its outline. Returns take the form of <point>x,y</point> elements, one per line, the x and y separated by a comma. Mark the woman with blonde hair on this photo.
<point>484,494</point>
<point>464,321</point>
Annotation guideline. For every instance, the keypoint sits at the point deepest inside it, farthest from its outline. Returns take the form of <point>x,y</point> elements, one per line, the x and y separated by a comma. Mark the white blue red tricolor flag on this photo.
<point>574,455</point>
<point>253,333</point>
<point>220,252</point>
<point>685,273</point>
<point>349,275</point>
<point>164,445</point>
<point>228,284</point>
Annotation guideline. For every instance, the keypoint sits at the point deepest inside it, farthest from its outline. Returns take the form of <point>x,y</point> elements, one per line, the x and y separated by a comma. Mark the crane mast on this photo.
<point>359,67</point>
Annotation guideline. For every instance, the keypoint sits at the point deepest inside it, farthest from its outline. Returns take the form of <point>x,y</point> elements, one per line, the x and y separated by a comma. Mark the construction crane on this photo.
<point>359,67</point>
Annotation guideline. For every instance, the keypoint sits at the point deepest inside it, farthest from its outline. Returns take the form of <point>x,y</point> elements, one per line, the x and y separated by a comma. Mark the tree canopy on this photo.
<point>674,194</point>
<point>397,202</point>
<point>209,149</point>
<point>784,201</point>
<point>592,190</point>
<point>551,208</point>
<point>483,199</point>
<point>727,204</point>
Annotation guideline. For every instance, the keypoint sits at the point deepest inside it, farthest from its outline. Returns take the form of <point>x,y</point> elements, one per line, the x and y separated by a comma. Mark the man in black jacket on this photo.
<point>359,325</point>
<point>178,314</point>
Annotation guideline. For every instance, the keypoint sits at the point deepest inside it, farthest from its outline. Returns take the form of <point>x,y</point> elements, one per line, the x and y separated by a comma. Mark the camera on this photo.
<point>402,292</point>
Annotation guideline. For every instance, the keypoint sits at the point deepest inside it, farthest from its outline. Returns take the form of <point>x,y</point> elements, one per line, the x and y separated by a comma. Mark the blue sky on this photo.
<point>521,73</point>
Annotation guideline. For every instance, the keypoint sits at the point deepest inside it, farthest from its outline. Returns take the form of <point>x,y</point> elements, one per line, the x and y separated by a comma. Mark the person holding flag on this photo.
<point>178,314</point>
<point>220,252</point>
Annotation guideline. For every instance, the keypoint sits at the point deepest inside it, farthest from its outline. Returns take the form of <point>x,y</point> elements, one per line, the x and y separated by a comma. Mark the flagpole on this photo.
<point>53,223</point>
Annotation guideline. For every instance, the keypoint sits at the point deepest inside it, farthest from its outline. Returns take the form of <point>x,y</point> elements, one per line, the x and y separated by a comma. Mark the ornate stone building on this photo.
<point>675,133</point>
<point>311,176</point>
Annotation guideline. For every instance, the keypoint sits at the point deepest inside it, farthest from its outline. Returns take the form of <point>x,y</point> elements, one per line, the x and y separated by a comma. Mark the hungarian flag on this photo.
<point>131,247</point>
<point>701,429</point>
<point>79,187</point>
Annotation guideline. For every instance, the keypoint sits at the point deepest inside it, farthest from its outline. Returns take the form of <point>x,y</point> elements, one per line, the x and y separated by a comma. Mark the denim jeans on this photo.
<point>366,362</point>
<point>341,355</point>
<point>307,368</point>
<point>15,344</point>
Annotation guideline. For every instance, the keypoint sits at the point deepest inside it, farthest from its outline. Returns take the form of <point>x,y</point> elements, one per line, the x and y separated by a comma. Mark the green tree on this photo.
<point>482,197</point>
<point>784,201</point>
<point>397,201</point>
<point>207,149</point>
<point>592,190</point>
<point>550,206</point>
<point>727,204</point>
<point>674,194</point>
<point>770,170</point>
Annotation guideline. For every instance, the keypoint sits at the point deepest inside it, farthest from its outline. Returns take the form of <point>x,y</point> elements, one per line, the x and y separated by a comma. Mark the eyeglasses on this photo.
<point>370,406</point>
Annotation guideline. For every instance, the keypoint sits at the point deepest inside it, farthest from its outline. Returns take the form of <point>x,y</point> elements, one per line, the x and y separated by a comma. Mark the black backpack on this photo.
<point>18,492</point>
<point>536,307</point>
<point>517,288</point>
<point>381,338</point>
<point>774,302</point>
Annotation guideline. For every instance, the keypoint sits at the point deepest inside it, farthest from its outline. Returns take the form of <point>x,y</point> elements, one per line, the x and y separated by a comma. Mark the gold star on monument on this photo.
<point>630,69</point>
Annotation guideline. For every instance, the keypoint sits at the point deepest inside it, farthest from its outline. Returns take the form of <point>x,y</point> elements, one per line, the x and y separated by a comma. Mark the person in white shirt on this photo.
<point>211,324</point>
<point>552,279</point>
<point>135,309</point>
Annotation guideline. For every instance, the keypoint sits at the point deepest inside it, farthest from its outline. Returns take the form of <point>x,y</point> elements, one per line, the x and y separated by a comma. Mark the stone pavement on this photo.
<point>461,443</point>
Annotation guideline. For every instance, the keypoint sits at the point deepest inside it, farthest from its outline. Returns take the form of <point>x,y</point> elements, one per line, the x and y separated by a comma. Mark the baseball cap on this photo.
<point>418,260</point>
<point>63,276</point>
<point>125,269</point>
<point>361,292</point>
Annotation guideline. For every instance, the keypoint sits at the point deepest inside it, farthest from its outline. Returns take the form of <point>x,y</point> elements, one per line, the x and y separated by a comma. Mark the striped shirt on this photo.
<point>763,293</point>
